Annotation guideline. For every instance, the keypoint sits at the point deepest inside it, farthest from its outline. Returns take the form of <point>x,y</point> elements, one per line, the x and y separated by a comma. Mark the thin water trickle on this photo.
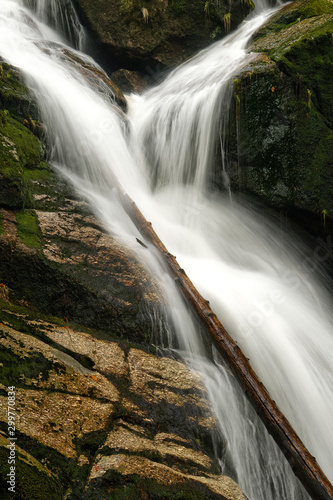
<point>264,292</point>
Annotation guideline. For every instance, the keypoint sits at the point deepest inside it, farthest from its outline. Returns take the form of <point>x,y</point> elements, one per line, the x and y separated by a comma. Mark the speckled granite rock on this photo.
<point>102,419</point>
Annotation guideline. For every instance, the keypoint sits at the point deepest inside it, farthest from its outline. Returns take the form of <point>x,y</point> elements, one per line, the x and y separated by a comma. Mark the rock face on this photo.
<point>97,413</point>
<point>95,76</point>
<point>100,419</point>
<point>67,265</point>
<point>282,112</point>
<point>142,35</point>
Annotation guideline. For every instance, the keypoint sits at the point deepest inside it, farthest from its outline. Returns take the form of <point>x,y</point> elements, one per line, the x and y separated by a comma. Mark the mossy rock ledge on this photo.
<point>280,138</point>
<point>155,34</point>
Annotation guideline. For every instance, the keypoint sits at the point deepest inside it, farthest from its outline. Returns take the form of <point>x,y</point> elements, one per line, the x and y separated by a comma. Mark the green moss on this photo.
<point>294,13</point>
<point>28,229</point>
<point>314,146</point>
<point>25,312</point>
<point>303,48</point>
<point>125,5</point>
<point>312,58</point>
<point>17,317</point>
<point>21,153</point>
<point>311,8</point>
<point>33,480</point>
<point>21,163</point>
<point>179,6</point>
<point>284,142</point>
<point>14,96</point>
<point>17,143</point>
<point>18,370</point>
<point>66,471</point>
<point>1,226</point>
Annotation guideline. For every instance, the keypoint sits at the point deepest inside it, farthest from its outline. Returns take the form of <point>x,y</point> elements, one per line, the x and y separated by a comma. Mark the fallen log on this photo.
<point>302,462</point>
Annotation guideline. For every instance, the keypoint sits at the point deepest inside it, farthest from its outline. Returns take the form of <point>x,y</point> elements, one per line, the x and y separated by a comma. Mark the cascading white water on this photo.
<point>258,287</point>
<point>60,15</point>
<point>265,291</point>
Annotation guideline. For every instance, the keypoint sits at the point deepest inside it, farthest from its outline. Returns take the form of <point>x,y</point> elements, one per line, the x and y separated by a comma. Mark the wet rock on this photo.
<point>67,265</point>
<point>85,415</point>
<point>96,77</point>
<point>129,81</point>
<point>157,33</point>
<point>134,475</point>
<point>14,95</point>
<point>280,133</point>
<point>53,252</point>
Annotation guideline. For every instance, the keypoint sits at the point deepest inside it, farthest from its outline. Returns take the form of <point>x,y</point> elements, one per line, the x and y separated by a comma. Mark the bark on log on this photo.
<point>302,462</point>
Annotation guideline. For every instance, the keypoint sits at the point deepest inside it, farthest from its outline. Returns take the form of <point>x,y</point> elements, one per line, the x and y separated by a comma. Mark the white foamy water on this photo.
<point>62,17</point>
<point>261,288</point>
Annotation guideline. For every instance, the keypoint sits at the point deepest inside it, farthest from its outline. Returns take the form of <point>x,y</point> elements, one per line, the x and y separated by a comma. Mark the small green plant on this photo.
<point>237,100</point>
<point>179,6</point>
<point>237,83</point>
<point>324,213</point>
<point>309,98</point>
<point>4,292</point>
<point>206,8</point>
<point>216,33</point>
<point>227,22</point>
<point>145,14</point>
<point>215,5</point>
<point>4,116</point>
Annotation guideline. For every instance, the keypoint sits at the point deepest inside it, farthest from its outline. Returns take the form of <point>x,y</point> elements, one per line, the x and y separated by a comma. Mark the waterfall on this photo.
<point>264,291</point>
<point>60,15</point>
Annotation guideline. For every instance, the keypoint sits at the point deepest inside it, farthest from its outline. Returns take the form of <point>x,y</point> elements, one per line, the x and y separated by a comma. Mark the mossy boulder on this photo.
<point>14,95</point>
<point>22,154</point>
<point>299,40</point>
<point>21,162</point>
<point>152,33</point>
<point>281,119</point>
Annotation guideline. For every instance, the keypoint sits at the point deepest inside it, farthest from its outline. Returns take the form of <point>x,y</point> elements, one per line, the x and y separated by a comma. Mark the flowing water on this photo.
<point>61,16</point>
<point>265,291</point>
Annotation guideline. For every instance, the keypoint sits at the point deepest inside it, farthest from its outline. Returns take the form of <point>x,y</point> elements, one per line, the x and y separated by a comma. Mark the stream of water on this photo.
<point>262,284</point>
